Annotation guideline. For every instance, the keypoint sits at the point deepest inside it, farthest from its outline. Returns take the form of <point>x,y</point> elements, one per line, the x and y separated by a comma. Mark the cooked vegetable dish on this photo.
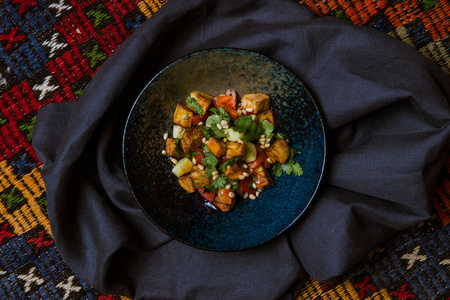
<point>221,147</point>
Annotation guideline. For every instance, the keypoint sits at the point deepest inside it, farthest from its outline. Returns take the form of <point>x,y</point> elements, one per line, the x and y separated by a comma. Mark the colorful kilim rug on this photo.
<point>50,50</point>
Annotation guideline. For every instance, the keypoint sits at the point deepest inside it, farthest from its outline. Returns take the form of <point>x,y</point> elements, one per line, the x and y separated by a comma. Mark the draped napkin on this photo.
<point>386,110</point>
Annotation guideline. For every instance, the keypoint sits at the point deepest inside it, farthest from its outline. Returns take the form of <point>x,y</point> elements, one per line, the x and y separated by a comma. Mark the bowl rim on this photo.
<point>322,126</point>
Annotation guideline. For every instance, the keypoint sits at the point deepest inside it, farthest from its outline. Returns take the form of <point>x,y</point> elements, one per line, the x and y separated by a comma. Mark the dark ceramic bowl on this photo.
<point>186,217</point>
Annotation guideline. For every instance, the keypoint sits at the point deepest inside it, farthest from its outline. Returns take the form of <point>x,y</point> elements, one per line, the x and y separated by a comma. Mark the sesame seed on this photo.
<point>239,112</point>
<point>224,122</point>
<point>231,194</point>
<point>174,160</point>
<point>214,173</point>
<point>225,131</point>
<point>249,109</point>
<point>194,161</point>
<point>219,126</point>
<point>267,145</point>
<point>262,147</point>
<point>254,185</point>
<point>204,140</point>
<point>245,166</point>
<point>253,197</point>
<point>228,186</point>
<point>245,195</point>
<point>228,167</point>
<point>215,177</point>
<point>269,160</point>
<point>200,123</point>
<point>257,194</point>
<point>201,167</point>
<point>262,141</point>
<point>241,177</point>
<point>185,117</point>
<point>166,135</point>
<point>245,174</point>
<point>262,136</point>
<point>224,140</point>
<point>163,152</point>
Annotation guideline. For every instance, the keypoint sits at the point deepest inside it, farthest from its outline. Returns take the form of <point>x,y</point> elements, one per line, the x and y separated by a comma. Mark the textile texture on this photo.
<point>49,52</point>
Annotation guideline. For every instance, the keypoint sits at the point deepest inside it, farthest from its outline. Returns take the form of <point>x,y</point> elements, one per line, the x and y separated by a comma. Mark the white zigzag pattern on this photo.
<point>45,87</point>
<point>60,7</point>
<point>53,45</point>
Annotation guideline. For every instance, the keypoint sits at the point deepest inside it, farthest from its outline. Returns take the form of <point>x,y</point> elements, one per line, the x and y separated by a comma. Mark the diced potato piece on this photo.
<point>171,148</point>
<point>279,151</point>
<point>217,147</point>
<point>258,102</point>
<point>235,171</point>
<point>223,201</point>
<point>262,178</point>
<point>267,115</point>
<point>191,139</point>
<point>183,115</point>
<point>199,177</point>
<point>234,149</point>
<point>182,167</point>
<point>203,99</point>
<point>186,183</point>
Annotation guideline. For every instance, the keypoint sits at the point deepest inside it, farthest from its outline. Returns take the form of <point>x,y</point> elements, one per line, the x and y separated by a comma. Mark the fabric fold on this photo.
<point>386,109</point>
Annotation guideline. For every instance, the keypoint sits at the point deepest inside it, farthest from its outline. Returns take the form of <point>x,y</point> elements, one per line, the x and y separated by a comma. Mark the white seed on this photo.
<point>241,177</point>
<point>267,145</point>
<point>228,186</point>
<point>254,185</point>
<point>166,135</point>
<point>185,117</point>
<point>239,112</point>
<point>260,190</point>
<point>245,166</point>
<point>262,141</point>
<point>174,161</point>
<point>262,147</point>
<point>249,109</point>
<point>214,173</point>
<point>245,195</point>
<point>240,141</point>
<point>231,194</point>
<point>201,167</point>
<point>257,194</point>
<point>225,127</point>
<point>228,167</point>
<point>163,152</point>
<point>269,160</point>
<point>200,123</point>
<point>225,131</point>
<point>224,122</point>
<point>215,177</point>
<point>253,197</point>
<point>224,140</point>
<point>208,125</point>
<point>204,140</point>
<point>245,174</point>
<point>219,126</point>
<point>194,161</point>
<point>262,136</point>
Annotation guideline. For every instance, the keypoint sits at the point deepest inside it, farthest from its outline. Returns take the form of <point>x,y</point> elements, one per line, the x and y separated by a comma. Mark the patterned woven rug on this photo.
<point>50,50</point>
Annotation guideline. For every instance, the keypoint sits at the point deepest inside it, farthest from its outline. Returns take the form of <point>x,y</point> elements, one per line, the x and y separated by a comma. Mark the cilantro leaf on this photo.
<point>190,155</point>
<point>221,112</point>
<point>217,133</point>
<point>267,127</point>
<point>206,131</point>
<point>247,126</point>
<point>279,135</point>
<point>178,147</point>
<point>228,162</point>
<point>192,103</point>
<point>289,167</point>
<point>220,182</point>
<point>297,169</point>
<point>210,162</point>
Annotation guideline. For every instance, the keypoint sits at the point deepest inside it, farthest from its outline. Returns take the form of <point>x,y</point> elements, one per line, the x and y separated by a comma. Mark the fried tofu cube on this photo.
<point>171,148</point>
<point>262,178</point>
<point>257,102</point>
<point>186,183</point>
<point>191,139</point>
<point>223,201</point>
<point>279,151</point>
<point>217,147</point>
<point>203,99</point>
<point>267,115</point>
<point>198,177</point>
<point>183,115</point>
<point>234,149</point>
<point>235,171</point>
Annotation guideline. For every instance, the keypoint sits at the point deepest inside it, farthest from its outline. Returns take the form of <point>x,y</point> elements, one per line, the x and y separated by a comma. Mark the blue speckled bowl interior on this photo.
<point>185,216</point>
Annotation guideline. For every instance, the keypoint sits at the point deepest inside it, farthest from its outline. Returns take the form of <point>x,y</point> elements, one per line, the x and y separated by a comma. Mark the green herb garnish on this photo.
<point>247,126</point>
<point>228,162</point>
<point>290,166</point>
<point>192,103</point>
<point>210,162</point>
